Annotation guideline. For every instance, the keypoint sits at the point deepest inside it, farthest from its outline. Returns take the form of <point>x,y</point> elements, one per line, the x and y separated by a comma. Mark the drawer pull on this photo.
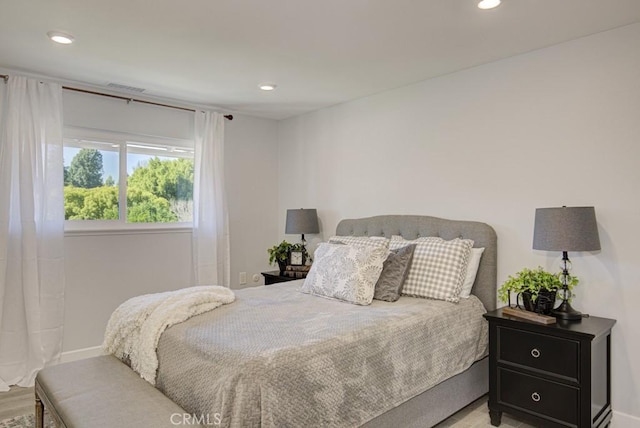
<point>535,397</point>
<point>535,353</point>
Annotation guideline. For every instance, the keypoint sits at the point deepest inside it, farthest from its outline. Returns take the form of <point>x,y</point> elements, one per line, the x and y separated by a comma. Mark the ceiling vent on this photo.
<point>125,88</point>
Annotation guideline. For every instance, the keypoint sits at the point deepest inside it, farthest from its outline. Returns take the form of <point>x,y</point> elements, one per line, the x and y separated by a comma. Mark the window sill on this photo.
<point>105,228</point>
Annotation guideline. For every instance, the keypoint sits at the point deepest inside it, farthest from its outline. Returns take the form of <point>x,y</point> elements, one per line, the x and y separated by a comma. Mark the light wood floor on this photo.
<point>476,415</point>
<point>19,401</point>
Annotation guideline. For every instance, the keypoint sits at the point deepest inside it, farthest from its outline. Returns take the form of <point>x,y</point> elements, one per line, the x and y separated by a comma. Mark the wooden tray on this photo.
<point>527,315</point>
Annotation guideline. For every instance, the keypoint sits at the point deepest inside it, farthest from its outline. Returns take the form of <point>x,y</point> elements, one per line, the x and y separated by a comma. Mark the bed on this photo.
<point>278,357</point>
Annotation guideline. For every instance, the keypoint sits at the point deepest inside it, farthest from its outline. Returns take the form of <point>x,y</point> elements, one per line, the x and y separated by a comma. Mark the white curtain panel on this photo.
<point>211,251</point>
<point>31,229</point>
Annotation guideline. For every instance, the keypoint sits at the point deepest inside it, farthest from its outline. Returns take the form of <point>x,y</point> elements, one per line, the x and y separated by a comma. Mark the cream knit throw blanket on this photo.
<point>135,327</point>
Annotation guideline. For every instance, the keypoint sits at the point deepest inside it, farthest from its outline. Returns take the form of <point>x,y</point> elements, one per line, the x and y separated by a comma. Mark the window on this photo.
<point>113,180</point>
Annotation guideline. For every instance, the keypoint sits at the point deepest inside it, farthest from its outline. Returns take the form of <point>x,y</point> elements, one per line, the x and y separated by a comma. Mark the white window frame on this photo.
<point>100,227</point>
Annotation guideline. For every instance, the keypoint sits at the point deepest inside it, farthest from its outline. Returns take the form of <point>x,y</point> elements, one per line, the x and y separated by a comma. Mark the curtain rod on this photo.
<point>127,99</point>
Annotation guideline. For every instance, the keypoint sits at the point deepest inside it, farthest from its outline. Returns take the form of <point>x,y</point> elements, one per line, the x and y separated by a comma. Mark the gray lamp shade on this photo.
<point>302,221</point>
<point>566,229</point>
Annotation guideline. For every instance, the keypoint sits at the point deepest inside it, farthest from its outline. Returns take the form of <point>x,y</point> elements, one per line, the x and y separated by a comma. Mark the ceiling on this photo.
<point>319,53</point>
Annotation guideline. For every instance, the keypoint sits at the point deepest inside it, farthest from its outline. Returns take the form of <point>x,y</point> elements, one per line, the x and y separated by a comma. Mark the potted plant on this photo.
<point>537,287</point>
<point>280,254</point>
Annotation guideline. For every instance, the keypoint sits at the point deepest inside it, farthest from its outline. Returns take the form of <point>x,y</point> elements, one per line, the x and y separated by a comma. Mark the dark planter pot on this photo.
<point>282,265</point>
<point>543,304</point>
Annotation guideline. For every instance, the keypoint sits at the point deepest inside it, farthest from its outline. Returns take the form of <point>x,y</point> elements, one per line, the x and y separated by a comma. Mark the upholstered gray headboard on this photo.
<point>415,226</point>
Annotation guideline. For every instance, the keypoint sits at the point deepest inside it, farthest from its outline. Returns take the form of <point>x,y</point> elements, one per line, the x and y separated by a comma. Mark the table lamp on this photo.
<point>566,229</point>
<point>302,221</point>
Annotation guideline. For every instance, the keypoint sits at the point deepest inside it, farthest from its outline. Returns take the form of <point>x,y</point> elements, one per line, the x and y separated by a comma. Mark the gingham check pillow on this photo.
<point>373,241</point>
<point>438,267</point>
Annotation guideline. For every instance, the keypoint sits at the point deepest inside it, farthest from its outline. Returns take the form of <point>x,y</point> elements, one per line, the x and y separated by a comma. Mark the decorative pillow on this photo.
<point>472,270</point>
<point>345,272</point>
<point>373,241</point>
<point>394,272</point>
<point>438,267</point>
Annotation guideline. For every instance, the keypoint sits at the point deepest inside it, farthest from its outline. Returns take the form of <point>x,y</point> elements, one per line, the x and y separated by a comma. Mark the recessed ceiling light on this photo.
<point>267,86</point>
<point>488,4</point>
<point>62,38</point>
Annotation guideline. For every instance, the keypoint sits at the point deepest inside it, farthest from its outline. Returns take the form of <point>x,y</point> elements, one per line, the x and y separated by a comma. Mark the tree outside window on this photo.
<point>158,188</point>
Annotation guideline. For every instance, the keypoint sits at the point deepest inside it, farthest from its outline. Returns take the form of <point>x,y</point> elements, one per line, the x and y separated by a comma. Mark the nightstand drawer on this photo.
<point>548,354</point>
<point>550,400</point>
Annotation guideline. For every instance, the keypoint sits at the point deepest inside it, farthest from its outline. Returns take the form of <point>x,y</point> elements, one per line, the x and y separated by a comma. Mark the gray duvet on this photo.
<point>280,358</point>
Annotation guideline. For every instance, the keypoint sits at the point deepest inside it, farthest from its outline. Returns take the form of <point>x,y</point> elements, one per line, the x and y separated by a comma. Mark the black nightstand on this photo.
<point>556,375</point>
<point>274,277</point>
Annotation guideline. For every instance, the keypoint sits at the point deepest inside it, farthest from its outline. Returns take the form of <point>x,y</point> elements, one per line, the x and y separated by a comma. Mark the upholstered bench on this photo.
<point>102,392</point>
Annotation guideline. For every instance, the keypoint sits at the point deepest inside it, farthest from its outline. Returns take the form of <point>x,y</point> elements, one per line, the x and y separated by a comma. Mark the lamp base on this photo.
<point>566,312</point>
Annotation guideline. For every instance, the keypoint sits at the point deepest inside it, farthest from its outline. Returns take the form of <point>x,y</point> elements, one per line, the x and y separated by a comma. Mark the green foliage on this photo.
<point>102,203</point>
<point>168,179</point>
<point>533,280</point>
<point>86,169</point>
<point>159,192</point>
<point>279,252</point>
<point>145,207</point>
<point>73,202</point>
<point>99,203</point>
<point>282,252</point>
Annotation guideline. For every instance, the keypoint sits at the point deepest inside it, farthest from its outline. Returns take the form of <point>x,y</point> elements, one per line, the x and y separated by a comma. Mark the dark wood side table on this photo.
<point>273,277</point>
<point>556,375</point>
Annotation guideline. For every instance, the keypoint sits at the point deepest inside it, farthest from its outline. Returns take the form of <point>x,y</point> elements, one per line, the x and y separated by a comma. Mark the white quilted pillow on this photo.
<point>438,267</point>
<point>472,271</point>
<point>345,272</point>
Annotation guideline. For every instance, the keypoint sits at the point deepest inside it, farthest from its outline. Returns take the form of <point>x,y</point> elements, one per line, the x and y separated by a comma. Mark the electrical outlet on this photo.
<point>243,278</point>
<point>255,277</point>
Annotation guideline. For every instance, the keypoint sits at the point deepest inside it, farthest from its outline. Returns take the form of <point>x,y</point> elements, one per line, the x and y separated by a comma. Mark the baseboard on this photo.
<point>80,354</point>
<point>622,420</point>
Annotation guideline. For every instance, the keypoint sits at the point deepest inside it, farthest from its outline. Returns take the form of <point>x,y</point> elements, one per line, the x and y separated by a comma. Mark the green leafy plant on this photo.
<point>280,252</point>
<point>158,191</point>
<point>533,281</point>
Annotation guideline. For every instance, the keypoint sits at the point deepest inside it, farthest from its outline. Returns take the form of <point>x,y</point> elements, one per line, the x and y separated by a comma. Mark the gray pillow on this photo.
<point>394,272</point>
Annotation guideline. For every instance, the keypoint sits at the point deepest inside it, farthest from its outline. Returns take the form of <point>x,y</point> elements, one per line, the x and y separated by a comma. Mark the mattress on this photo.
<point>280,358</point>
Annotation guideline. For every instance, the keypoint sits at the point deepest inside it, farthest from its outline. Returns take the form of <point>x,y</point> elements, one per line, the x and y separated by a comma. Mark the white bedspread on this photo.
<point>135,326</point>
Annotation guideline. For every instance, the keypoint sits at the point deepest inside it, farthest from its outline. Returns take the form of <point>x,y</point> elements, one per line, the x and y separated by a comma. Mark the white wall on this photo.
<point>557,126</point>
<point>251,171</point>
<point>103,270</point>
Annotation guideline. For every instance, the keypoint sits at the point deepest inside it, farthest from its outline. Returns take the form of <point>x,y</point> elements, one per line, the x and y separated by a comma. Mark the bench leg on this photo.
<point>39,412</point>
